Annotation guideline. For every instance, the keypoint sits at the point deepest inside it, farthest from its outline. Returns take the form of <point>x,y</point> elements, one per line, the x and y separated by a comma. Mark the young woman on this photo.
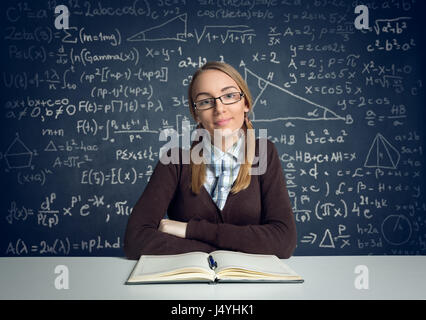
<point>217,203</point>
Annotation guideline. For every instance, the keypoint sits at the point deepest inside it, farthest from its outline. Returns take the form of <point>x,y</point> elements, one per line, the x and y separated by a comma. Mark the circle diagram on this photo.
<point>396,229</point>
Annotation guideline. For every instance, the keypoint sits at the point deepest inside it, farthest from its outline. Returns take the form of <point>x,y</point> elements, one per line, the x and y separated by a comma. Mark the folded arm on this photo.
<point>143,235</point>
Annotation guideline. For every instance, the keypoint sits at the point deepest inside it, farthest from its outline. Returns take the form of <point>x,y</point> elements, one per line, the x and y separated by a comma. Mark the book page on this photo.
<point>266,264</point>
<point>157,264</point>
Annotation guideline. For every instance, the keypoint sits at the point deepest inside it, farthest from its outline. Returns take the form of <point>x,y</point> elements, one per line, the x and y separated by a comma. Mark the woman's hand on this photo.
<point>175,228</point>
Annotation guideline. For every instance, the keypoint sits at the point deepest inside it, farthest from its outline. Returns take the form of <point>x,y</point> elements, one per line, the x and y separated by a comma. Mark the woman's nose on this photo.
<point>219,106</point>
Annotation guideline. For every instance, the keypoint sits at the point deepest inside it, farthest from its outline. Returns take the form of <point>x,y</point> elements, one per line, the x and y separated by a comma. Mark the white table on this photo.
<point>329,277</point>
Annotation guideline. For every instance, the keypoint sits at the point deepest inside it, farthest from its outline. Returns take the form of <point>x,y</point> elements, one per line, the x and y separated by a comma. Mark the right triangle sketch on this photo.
<point>173,29</point>
<point>291,106</point>
<point>382,154</point>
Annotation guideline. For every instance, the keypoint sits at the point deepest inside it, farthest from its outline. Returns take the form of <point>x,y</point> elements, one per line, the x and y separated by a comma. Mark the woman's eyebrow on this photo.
<point>229,87</point>
<point>208,94</point>
<point>201,93</point>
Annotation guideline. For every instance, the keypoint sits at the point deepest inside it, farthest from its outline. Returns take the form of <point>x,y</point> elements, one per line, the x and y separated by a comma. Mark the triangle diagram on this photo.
<point>382,154</point>
<point>327,240</point>
<point>18,155</point>
<point>51,147</point>
<point>17,147</point>
<point>272,103</point>
<point>173,29</point>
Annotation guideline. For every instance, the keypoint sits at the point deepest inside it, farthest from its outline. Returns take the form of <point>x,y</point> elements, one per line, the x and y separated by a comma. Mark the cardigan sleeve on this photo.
<point>276,234</point>
<point>142,235</point>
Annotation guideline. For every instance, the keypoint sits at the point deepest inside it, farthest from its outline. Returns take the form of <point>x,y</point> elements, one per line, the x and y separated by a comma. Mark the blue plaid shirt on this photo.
<point>222,172</point>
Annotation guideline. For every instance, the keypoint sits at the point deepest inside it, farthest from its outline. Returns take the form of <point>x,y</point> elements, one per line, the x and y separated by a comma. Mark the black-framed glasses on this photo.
<point>227,98</point>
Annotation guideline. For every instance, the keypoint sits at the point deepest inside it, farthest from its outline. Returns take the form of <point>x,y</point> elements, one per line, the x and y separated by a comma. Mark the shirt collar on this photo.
<point>233,151</point>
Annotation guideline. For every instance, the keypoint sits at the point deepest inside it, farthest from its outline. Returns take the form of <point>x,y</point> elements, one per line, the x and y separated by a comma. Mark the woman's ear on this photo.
<point>246,105</point>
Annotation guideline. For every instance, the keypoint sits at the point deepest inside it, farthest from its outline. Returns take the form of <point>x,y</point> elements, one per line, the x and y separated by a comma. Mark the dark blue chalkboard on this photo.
<point>82,110</point>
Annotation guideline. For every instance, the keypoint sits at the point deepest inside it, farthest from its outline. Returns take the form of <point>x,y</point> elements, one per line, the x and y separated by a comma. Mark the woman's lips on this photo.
<point>222,122</point>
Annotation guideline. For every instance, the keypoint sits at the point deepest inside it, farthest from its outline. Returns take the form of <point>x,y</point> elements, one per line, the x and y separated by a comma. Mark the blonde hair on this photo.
<point>198,171</point>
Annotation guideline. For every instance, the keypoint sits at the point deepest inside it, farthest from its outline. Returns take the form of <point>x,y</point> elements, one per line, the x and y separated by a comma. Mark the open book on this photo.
<point>218,266</point>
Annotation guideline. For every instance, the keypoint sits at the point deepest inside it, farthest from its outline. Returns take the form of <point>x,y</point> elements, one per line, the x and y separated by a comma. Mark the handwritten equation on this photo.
<point>83,109</point>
